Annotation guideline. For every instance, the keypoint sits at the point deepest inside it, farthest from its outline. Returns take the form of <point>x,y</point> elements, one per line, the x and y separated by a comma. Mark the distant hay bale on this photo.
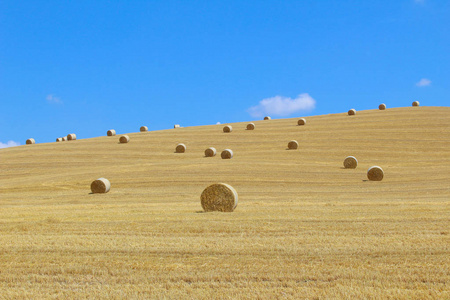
<point>181,148</point>
<point>251,126</point>
<point>71,137</point>
<point>144,128</point>
<point>375,173</point>
<point>292,145</point>
<point>101,185</point>
<point>210,152</point>
<point>64,138</point>
<point>176,126</point>
<point>227,128</point>
<point>301,121</point>
<point>30,141</point>
<point>350,162</point>
<point>382,106</point>
<point>352,112</point>
<point>219,197</point>
<point>59,139</point>
<point>267,118</point>
<point>111,132</point>
<point>226,154</point>
<point>415,103</point>
<point>124,139</point>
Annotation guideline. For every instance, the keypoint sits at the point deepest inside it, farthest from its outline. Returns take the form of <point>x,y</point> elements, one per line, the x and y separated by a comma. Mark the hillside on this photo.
<point>304,225</point>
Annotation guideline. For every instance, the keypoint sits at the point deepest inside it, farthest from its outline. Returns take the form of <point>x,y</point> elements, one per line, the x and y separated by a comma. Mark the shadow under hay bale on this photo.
<point>219,197</point>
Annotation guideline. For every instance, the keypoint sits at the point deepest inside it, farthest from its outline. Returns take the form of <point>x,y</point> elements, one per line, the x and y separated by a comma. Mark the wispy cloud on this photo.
<point>53,99</point>
<point>9,144</point>
<point>282,106</point>
<point>423,82</point>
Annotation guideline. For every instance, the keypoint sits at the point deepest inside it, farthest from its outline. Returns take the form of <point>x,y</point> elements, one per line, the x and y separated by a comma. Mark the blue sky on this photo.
<point>88,66</point>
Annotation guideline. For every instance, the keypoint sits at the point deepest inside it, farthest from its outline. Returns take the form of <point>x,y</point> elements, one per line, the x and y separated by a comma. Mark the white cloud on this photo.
<point>282,106</point>
<point>423,82</point>
<point>9,144</point>
<point>54,100</point>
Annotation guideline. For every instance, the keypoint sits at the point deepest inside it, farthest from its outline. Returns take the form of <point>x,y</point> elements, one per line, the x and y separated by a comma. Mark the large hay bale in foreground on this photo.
<point>210,152</point>
<point>111,132</point>
<point>181,148</point>
<point>301,121</point>
<point>375,173</point>
<point>219,197</point>
<point>71,137</point>
<point>101,185</point>
<point>382,106</point>
<point>350,162</point>
<point>292,145</point>
<point>352,112</point>
<point>227,128</point>
<point>143,128</point>
<point>59,139</point>
<point>415,103</point>
<point>226,154</point>
<point>251,126</point>
<point>267,118</point>
<point>30,141</point>
<point>124,139</point>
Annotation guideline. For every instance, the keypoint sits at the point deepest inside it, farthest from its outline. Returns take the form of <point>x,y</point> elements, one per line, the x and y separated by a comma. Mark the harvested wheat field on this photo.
<point>304,227</point>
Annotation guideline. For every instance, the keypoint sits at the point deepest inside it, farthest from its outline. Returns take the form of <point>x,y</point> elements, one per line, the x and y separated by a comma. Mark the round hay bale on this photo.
<point>382,106</point>
<point>111,132</point>
<point>210,152</point>
<point>301,121</point>
<point>350,162</point>
<point>124,139</point>
<point>176,126</point>
<point>101,185</point>
<point>59,139</point>
<point>30,141</point>
<point>226,154</point>
<point>219,197</point>
<point>144,128</point>
<point>71,137</point>
<point>352,112</point>
<point>64,138</point>
<point>227,128</point>
<point>181,148</point>
<point>267,118</point>
<point>415,103</point>
<point>375,173</point>
<point>251,126</point>
<point>292,145</point>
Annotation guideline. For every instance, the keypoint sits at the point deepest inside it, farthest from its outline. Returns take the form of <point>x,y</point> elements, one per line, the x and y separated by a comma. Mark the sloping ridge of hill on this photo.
<point>304,225</point>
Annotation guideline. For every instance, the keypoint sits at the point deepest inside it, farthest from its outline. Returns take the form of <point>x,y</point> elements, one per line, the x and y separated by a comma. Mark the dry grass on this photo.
<point>304,226</point>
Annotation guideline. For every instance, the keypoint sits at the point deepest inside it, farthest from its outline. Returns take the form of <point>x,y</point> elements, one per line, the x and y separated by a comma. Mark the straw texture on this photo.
<point>415,103</point>
<point>219,197</point>
<point>251,126</point>
<point>301,121</point>
<point>111,132</point>
<point>382,106</point>
<point>352,112</point>
<point>71,137</point>
<point>227,128</point>
<point>144,128</point>
<point>30,141</point>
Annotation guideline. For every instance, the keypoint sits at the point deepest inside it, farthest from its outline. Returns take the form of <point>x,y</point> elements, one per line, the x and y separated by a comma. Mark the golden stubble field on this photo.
<point>304,226</point>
